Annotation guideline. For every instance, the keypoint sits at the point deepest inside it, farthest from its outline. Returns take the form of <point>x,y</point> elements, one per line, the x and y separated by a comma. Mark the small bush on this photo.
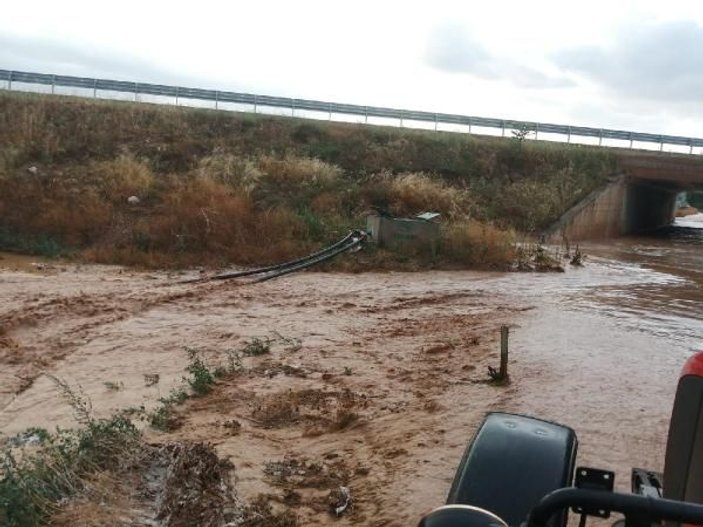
<point>410,194</point>
<point>40,245</point>
<point>201,379</point>
<point>122,177</point>
<point>234,171</point>
<point>234,361</point>
<point>257,346</point>
<point>473,243</point>
<point>305,171</point>
<point>295,182</point>
<point>162,417</point>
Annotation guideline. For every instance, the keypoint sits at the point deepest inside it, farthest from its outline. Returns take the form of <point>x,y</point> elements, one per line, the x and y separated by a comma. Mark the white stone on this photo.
<point>133,200</point>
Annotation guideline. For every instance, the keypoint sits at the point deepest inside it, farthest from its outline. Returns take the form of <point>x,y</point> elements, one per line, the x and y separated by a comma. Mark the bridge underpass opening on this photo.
<point>639,198</point>
<point>648,206</point>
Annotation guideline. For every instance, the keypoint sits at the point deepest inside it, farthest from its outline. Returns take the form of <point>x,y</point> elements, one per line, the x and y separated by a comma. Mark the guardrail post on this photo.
<point>469,124</point>
<point>366,115</point>
<point>136,90</point>
<point>217,96</point>
<point>401,120</point>
<point>435,122</point>
<point>690,150</point>
<point>536,131</point>
<point>254,103</point>
<point>292,107</point>
<point>176,95</point>
<point>95,88</point>
<point>661,144</point>
<point>53,83</point>
<point>329,117</point>
<point>631,140</point>
<point>600,138</point>
<point>502,133</point>
<point>9,82</point>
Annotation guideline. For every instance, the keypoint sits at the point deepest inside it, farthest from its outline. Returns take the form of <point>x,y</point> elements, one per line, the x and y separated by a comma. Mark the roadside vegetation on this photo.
<point>40,469</point>
<point>77,476</point>
<point>159,186</point>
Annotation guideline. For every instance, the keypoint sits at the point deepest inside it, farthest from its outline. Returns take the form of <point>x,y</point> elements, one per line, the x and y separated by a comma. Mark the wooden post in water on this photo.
<point>504,330</point>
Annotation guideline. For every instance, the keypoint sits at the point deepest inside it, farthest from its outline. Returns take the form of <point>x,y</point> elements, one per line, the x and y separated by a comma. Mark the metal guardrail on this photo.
<point>218,96</point>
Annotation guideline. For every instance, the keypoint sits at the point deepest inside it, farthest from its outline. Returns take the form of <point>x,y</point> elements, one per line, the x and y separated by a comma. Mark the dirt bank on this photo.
<point>140,184</point>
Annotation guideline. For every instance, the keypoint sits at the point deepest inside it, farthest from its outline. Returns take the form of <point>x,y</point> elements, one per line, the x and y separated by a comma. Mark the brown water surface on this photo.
<point>598,348</point>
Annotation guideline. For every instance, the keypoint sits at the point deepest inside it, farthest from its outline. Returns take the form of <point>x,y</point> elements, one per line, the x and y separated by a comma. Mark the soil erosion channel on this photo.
<point>376,386</point>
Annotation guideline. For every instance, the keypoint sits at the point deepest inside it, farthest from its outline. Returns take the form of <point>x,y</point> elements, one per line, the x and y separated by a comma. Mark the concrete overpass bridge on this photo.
<point>640,197</point>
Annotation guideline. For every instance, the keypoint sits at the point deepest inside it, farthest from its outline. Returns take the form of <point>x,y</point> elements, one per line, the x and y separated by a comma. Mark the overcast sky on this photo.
<point>636,65</point>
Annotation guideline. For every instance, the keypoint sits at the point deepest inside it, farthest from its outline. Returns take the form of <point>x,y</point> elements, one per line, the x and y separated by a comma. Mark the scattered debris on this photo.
<point>196,489</point>
<point>535,258</point>
<point>339,500</point>
<point>333,410</point>
<point>260,513</point>
<point>113,386</point>
<point>233,426</point>
<point>305,473</point>
<point>150,379</point>
<point>578,258</point>
<point>270,369</point>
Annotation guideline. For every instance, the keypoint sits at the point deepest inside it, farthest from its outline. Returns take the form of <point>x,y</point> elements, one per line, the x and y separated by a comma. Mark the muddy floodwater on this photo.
<point>386,370</point>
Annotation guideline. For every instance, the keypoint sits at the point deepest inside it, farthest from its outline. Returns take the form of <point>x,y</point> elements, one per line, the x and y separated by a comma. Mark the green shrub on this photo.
<point>201,378</point>
<point>32,484</point>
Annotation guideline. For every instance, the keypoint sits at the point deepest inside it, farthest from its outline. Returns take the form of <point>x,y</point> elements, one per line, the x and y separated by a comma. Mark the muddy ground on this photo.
<point>375,389</point>
<point>374,382</point>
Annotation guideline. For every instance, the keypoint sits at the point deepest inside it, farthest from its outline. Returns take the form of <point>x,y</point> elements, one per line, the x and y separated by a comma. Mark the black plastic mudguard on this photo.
<point>683,466</point>
<point>512,462</point>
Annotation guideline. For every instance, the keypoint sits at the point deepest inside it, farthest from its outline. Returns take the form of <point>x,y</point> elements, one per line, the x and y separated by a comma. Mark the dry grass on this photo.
<point>123,177</point>
<point>104,497</point>
<point>220,188</point>
<point>303,171</point>
<point>411,193</point>
<point>473,243</point>
<point>240,173</point>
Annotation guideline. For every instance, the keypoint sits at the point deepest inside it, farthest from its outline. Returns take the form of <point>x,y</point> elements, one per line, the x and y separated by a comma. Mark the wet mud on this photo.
<point>371,412</point>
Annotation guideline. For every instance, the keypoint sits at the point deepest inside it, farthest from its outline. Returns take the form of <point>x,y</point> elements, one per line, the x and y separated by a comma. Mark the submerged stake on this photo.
<point>504,330</point>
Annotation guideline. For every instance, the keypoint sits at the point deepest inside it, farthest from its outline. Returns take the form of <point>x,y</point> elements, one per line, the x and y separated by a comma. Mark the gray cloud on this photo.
<point>658,62</point>
<point>451,49</point>
<point>45,55</point>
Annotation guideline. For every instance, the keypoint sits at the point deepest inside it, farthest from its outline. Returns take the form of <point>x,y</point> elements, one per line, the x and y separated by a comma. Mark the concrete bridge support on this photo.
<point>623,206</point>
<point>640,198</point>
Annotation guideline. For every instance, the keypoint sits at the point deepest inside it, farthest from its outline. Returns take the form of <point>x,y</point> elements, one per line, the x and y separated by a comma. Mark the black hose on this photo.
<point>327,256</point>
<point>249,272</point>
<point>351,240</point>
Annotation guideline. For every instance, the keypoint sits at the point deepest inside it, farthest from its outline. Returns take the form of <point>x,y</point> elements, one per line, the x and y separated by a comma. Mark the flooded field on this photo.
<point>373,381</point>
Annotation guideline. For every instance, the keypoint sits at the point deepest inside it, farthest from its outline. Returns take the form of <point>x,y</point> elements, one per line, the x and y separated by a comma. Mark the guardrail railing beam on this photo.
<point>218,96</point>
